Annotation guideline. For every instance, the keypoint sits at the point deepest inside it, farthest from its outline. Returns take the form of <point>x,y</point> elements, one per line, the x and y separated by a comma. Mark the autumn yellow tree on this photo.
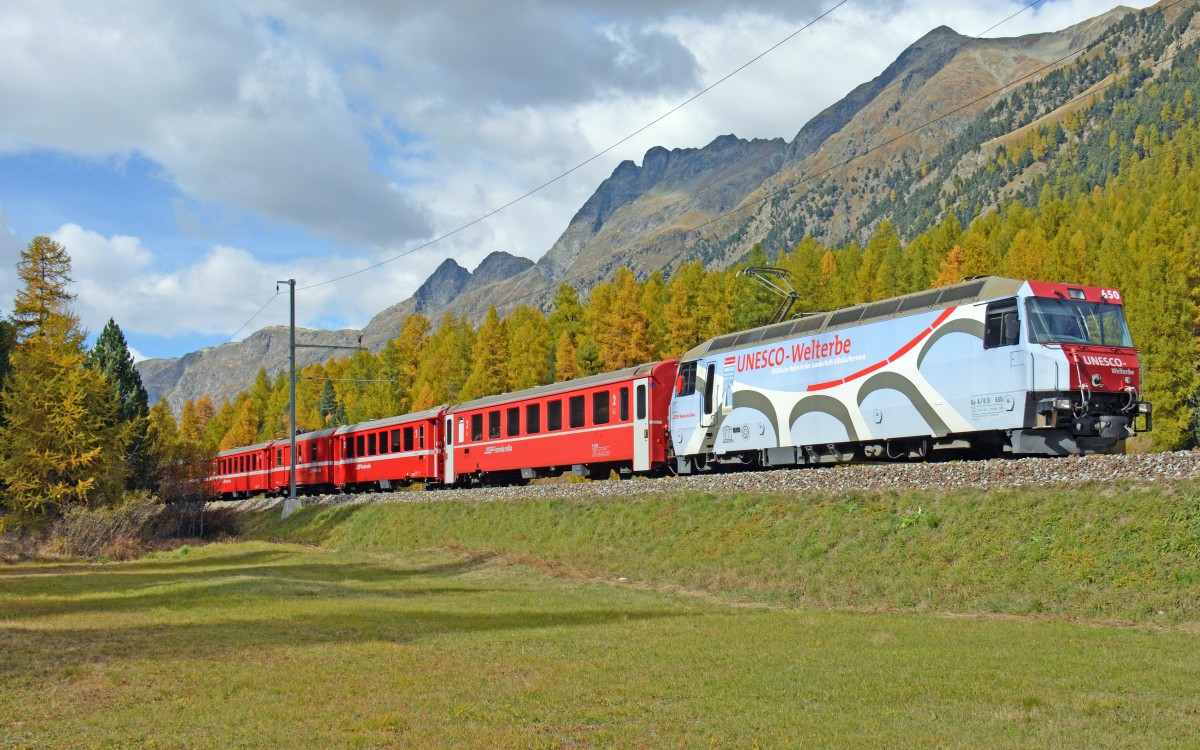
<point>60,442</point>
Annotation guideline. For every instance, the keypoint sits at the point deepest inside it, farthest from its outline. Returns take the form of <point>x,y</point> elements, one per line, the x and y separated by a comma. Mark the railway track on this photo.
<point>998,473</point>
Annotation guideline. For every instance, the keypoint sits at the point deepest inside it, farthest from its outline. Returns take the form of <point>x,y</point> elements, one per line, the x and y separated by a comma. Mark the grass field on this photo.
<point>268,645</point>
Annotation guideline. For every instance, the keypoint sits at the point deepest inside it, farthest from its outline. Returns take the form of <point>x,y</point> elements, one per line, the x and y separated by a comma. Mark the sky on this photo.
<point>190,155</point>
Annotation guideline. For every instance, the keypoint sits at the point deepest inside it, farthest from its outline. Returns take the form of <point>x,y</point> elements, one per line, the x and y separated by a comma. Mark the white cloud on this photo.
<point>377,124</point>
<point>10,253</point>
<point>115,277</point>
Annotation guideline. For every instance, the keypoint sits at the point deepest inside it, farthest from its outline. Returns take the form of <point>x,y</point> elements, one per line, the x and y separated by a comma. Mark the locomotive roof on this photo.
<point>553,388</point>
<point>964,293</point>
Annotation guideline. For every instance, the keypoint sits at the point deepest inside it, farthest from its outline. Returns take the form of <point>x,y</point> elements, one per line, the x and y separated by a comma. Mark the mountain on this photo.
<point>927,137</point>
<point>224,370</point>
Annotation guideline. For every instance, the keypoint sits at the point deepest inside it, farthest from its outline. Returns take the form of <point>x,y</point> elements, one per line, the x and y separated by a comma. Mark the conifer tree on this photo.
<point>110,355</point>
<point>60,444</point>
<point>189,429</point>
<point>951,270</point>
<point>620,328</point>
<point>216,427</point>
<point>332,414</point>
<point>566,313</point>
<point>489,370</point>
<point>685,309</point>
<point>244,430</point>
<point>399,359</point>
<point>529,353</point>
<point>163,442</point>
<point>566,365</point>
<point>753,303</point>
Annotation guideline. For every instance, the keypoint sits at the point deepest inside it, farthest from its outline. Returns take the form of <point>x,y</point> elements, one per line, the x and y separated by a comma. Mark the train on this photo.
<point>992,366</point>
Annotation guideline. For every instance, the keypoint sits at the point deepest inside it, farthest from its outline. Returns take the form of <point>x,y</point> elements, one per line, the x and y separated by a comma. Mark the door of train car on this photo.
<point>449,451</point>
<point>641,424</point>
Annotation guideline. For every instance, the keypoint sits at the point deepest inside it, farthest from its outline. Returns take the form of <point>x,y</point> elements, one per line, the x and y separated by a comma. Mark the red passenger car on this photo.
<point>593,425</point>
<point>389,452</point>
<point>314,463</point>
<point>242,472</point>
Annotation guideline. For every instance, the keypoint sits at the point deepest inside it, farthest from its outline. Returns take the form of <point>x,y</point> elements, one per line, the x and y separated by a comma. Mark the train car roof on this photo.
<point>244,449</point>
<point>964,293</point>
<point>563,387</point>
<point>315,434</point>
<point>433,413</point>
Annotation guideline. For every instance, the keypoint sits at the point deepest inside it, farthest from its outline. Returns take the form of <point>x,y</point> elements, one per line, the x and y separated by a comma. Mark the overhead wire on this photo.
<point>680,236</point>
<point>591,158</point>
<point>251,320</point>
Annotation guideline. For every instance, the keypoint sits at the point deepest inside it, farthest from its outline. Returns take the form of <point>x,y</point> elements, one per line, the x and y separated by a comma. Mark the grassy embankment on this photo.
<point>1109,552</point>
<point>258,644</point>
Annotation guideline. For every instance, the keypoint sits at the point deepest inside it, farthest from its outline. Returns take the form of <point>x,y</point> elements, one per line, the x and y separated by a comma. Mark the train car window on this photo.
<point>395,441</point>
<point>600,407</point>
<point>625,404</point>
<point>554,415</point>
<point>421,437</point>
<point>708,388</point>
<point>461,422</point>
<point>641,402</point>
<point>513,419</point>
<point>408,438</point>
<point>300,453</point>
<point>494,424</point>
<point>348,447</point>
<point>477,427</point>
<point>360,443</point>
<point>372,449</point>
<point>575,411</point>
<point>533,418</point>
<point>316,452</point>
<point>685,384</point>
<point>279,457</point>
<point>1001,326</point>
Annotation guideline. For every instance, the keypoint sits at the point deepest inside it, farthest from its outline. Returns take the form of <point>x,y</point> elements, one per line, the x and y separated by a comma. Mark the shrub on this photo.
<point>119,532</point>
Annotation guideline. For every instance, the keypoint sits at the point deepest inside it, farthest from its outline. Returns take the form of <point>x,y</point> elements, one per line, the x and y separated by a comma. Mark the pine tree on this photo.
<point>331,411</point>
<point>60,444</point>
<point>110,355</point>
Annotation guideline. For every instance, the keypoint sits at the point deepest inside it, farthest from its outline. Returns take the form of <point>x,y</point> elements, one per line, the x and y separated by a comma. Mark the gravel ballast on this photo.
<point>997,473</point>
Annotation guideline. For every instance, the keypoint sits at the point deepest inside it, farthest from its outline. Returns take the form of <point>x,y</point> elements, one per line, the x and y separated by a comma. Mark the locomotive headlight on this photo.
<point>1144,407</point>
<point>1128,380</point>
<point>1062,404</point>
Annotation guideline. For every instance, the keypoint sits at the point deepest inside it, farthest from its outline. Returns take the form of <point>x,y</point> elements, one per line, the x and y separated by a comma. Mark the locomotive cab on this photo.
<point>1092,399</point>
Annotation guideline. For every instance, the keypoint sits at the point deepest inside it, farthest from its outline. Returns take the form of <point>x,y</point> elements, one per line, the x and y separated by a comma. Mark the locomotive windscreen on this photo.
<point>1062,321</point>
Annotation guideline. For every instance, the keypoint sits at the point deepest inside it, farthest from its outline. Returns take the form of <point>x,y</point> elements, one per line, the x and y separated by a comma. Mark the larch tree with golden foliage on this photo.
<point>489,359</point>
<point>60,442</point>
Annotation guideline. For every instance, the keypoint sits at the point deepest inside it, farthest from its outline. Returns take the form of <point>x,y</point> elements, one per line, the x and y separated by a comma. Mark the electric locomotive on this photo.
<point>991,366</point>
